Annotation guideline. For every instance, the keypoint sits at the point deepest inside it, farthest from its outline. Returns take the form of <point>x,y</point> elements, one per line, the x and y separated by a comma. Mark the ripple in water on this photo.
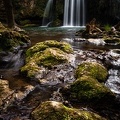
<point>113,81</point>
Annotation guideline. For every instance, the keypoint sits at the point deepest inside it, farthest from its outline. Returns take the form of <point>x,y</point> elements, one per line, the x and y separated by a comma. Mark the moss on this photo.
<point>92,69</point>
<point>51,110</point>
<point>10,39</point>
<point>30,68</point>
<point>41,46</point>
<point>47,58</point>
<point>89,89</point>
<point>107,27</point>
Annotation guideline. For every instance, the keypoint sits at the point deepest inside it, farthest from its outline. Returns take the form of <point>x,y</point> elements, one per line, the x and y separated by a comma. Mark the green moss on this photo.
<point>47,58</point>
<point>30,69</point>
<point>107,27</point>
<point>89,89</point>
<point>37,48</point>
<point>51,110</point>
<point>10,39</point>
<point>92,69</point>
<point>41,46</point>
<point>51,56</point>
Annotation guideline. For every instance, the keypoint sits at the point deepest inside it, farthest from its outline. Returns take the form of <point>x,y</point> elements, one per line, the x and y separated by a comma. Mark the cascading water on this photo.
<point>48,14</point>
<point>74,13</point>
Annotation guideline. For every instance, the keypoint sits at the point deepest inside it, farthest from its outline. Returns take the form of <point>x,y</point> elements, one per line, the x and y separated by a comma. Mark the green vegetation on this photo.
<point>87,88</point>
<point>47,54</point>
<point>107,27</point>
<point>93,69</point>
<point>51,110</point>
<point>9,39</point>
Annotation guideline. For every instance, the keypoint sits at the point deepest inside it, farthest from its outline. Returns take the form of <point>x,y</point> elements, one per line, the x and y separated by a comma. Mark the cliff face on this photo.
<point>105,11</point>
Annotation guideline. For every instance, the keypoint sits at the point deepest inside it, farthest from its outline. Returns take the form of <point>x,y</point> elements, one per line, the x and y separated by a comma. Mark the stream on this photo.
<point>33,94</point>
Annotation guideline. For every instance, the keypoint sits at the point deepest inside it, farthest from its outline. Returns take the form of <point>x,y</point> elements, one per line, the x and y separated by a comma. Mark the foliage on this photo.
<point>107,27</point>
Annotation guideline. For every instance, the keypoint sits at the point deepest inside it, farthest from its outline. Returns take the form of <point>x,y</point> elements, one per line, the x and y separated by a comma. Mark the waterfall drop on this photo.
<point>48,14</point>
<point>74,13</point>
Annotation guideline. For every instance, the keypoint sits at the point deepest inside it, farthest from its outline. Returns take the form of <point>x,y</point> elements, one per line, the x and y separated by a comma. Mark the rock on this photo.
<point>112,41</point>
<point>41,46</point>
<point>46,54</point>
<point>96,41</point>
<point>88,89</point>
<point>5,91</point>
<point>51,110</point>
<point>93,69</point>
<point>10,39</point>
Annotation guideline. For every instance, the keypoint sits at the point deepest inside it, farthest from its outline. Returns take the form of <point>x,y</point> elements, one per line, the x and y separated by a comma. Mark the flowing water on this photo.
<point>74,13</point>
<point>84,50</point>
<point>48,14</point>
<point>111,51</point>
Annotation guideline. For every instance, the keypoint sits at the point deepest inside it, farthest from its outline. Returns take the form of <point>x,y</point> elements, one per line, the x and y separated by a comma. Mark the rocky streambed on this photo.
<point>51,81</point>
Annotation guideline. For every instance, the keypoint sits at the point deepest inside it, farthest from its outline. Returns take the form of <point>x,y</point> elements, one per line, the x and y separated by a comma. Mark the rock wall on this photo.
<point>31,11</point>
<point>105,11</point>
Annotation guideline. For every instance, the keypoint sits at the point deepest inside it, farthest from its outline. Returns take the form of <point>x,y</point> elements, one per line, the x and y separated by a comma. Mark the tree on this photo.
<point>9,13</point>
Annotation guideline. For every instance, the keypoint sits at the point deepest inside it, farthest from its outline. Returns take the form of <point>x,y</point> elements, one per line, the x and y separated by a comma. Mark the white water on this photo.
<point>74,13</point>
<point>48,13</point>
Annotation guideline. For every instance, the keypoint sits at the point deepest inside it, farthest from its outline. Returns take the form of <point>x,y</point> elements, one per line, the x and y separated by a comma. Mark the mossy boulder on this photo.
<point>86,88</point>
<point>51,110</point>
<point>10,39</point>
<point>46,54</point>
<point>93,69</point>
<point>41,46</point>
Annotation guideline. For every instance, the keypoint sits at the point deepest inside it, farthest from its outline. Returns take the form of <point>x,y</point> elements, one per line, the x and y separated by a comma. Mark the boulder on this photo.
<point>93,69</point>
<point>88,89</point>
<point>46,54</point>
<point>51,110</point>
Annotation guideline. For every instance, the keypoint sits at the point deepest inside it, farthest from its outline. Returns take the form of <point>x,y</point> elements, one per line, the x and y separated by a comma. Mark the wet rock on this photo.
<point>112,41</point>
<point>46,54</point>
<point>10,39</point>
<point>51,110</point>
<point>5,91</point>
<point>93,69</point>
<point>41,46</point>
<point>88,89</point>
<point>96,41</point>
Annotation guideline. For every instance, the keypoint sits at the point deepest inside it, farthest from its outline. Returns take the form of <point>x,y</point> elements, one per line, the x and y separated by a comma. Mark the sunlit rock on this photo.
<point>5,91</point>
<point>46,54</point>
<point>51,110</point>
<point>96,41</point>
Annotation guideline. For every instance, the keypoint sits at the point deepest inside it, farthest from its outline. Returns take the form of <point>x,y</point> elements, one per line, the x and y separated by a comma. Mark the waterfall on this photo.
<point>74,13</point>
<point>48,14</point>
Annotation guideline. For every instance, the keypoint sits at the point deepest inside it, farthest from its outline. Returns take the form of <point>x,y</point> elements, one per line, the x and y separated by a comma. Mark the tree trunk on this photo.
<point>9,13</point>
